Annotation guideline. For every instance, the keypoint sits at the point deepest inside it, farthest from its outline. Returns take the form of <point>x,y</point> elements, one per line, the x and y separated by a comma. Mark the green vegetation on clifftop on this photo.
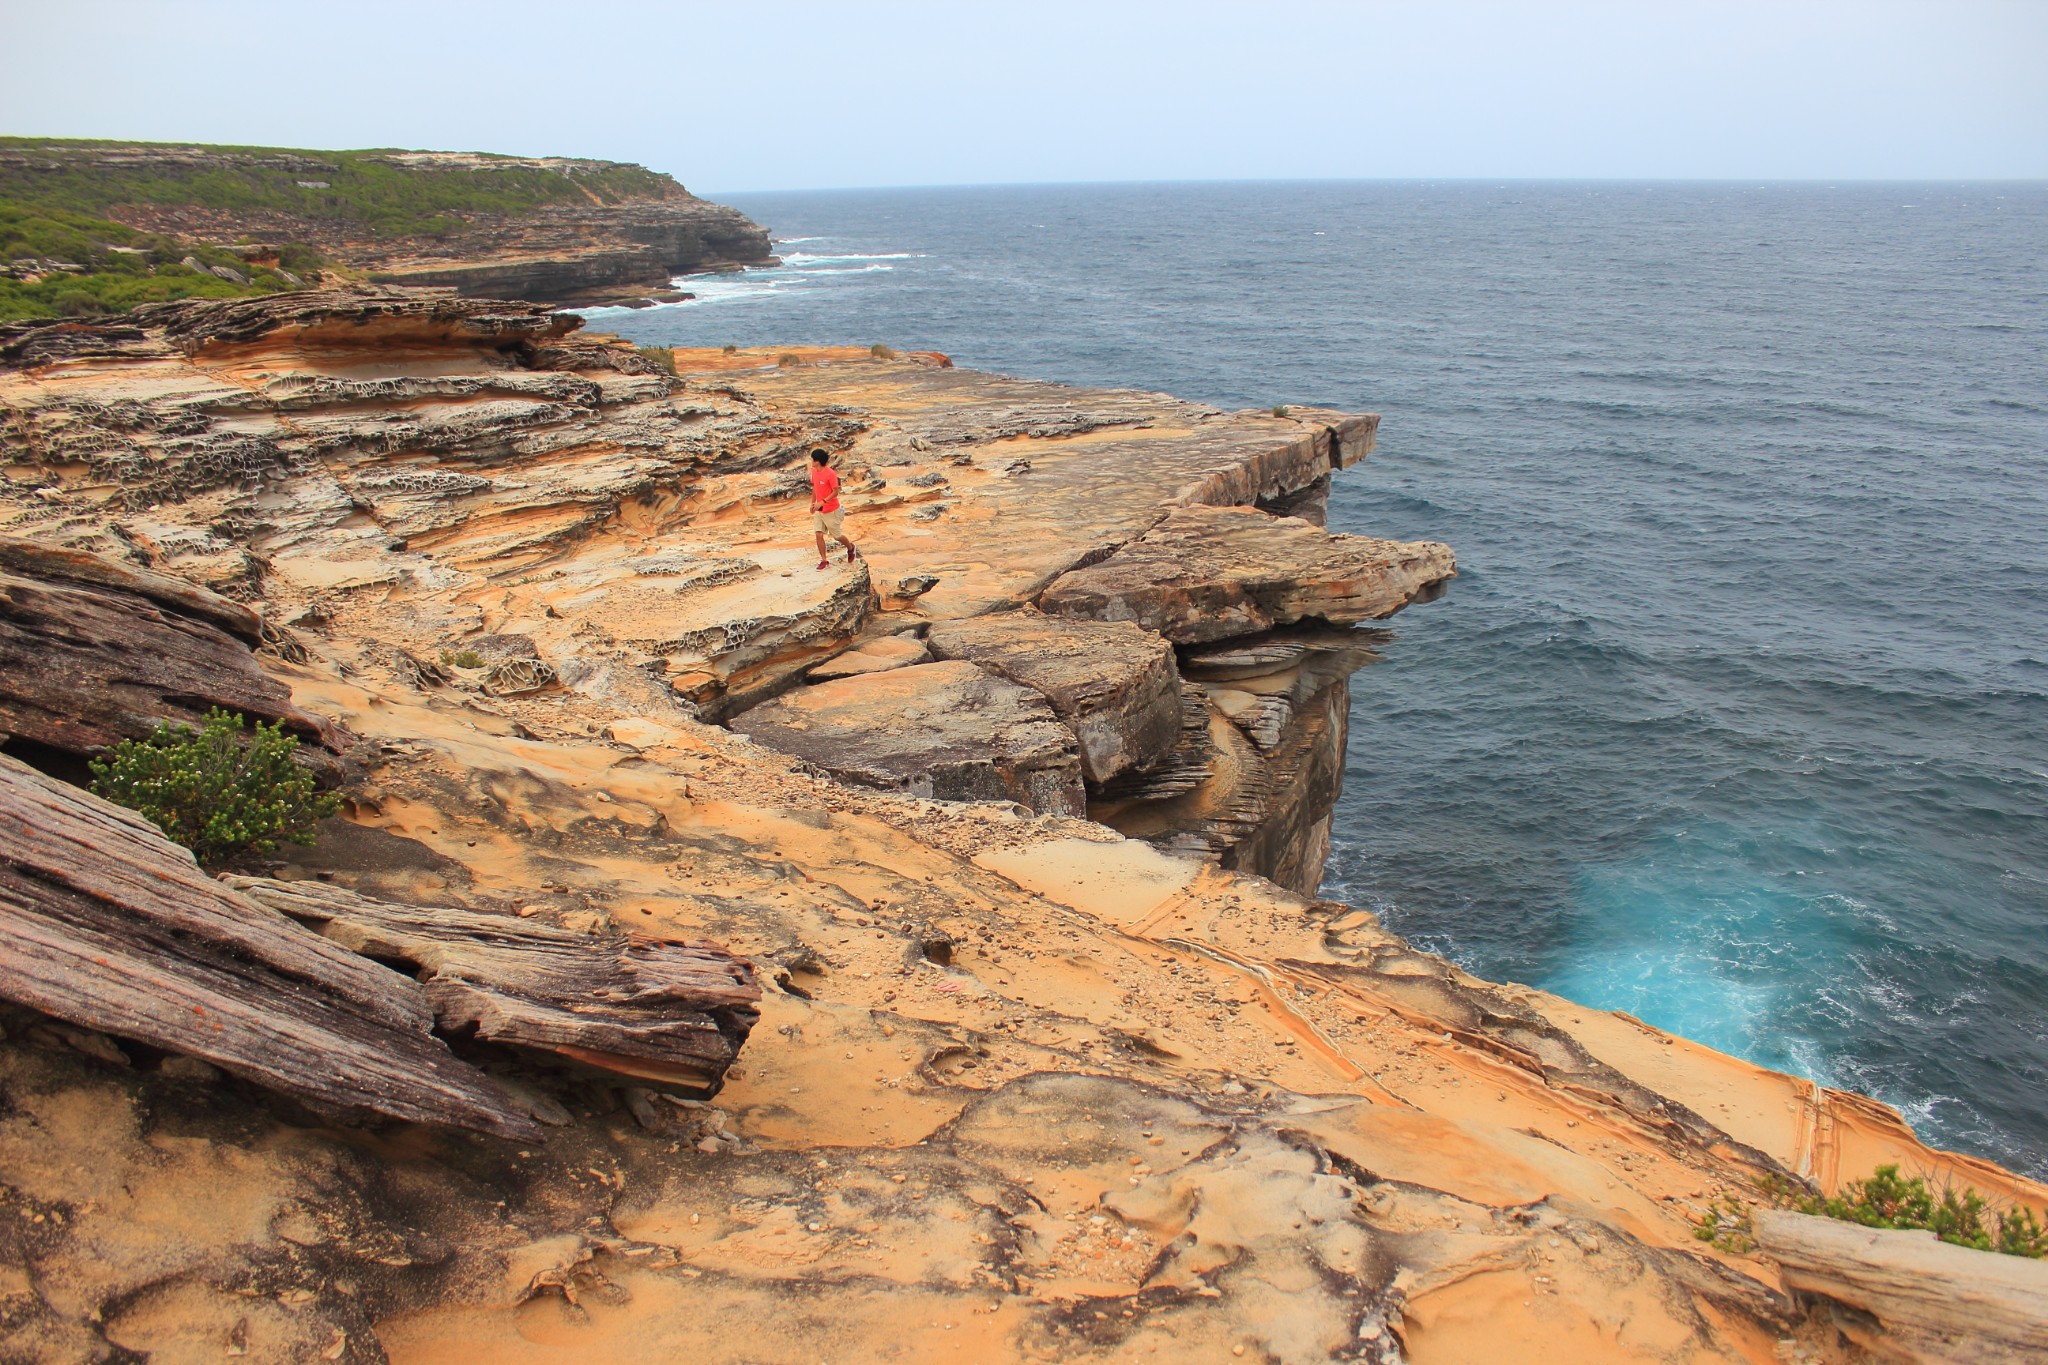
<point>216,790</point>
<point>90,226</point>
<point>59,264</point>
<point>385,193</point>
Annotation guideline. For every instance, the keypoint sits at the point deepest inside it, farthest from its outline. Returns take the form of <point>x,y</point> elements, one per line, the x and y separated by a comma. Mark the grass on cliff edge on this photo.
<point>119,267</point>
<point>1955,1215</point>
<point>377,192</point>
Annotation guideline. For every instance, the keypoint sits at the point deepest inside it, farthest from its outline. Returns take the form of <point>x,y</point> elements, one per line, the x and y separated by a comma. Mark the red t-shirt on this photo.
<point>824,488</point>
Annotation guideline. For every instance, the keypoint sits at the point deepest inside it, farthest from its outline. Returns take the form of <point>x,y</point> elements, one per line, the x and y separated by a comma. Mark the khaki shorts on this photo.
<point>828,522</point>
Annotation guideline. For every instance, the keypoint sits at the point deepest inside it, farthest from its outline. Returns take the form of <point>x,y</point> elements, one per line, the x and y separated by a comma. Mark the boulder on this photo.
<point>953,731</point>
<point>1207,573</point>
<point>876,656</point>
<point>1114,682</point>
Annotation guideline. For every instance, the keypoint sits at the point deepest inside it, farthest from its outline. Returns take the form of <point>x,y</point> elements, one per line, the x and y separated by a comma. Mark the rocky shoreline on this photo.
<point>996,1018</point>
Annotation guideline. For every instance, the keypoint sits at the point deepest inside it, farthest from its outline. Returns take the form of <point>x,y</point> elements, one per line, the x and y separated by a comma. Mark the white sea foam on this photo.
<point>802,259</point>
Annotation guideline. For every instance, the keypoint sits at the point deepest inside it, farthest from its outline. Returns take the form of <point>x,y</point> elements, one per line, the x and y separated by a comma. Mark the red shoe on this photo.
<point>824,563</point>
<point>851,554</point>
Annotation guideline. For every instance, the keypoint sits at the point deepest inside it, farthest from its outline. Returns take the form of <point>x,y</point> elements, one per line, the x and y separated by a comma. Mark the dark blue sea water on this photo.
<point>1737,715</point>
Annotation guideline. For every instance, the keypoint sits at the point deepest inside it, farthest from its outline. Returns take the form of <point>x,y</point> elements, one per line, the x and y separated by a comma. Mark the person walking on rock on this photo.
<point>826,514</point>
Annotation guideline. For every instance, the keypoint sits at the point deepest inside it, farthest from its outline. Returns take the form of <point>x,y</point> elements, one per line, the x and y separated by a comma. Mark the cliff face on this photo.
<point>1022,1087</point>
<point>550,228</point>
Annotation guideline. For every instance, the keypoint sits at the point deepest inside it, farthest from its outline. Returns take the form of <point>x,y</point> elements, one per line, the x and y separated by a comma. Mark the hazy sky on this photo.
<point>735,96</point>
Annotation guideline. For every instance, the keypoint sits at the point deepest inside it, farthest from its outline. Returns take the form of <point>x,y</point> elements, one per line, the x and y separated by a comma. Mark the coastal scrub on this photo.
<point>55,264</point>
<point>214,790</point>
<point>1960,1216</point>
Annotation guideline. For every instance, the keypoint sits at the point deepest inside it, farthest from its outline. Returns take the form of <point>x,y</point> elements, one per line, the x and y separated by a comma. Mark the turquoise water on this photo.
<point>1737,716</point>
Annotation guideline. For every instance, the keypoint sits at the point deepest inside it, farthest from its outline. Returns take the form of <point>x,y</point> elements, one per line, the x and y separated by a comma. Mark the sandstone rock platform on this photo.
<point>1021,1087</point>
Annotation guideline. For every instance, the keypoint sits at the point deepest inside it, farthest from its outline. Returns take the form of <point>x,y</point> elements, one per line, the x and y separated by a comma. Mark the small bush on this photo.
<point>301,259</point>
<point>1281,411</point>
<point>881,352</point>
<point>664,356</point>
<point>731,349</point>
<point>214,790</point>
<point>1957,1216</point>
<point>462,658</point>
<point>788,358</point>
<point>1953,1215</point>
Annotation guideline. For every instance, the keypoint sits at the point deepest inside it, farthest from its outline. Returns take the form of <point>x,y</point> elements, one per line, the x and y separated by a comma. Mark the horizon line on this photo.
<point>1503,180</point>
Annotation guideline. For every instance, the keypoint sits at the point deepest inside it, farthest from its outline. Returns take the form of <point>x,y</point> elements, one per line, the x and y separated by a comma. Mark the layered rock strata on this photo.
<point>1904,1296</point>
<point>107,924</point>
<point>1021,1088</point>
<point>94,651</point>
<point>674,1014</point>
<point>499,475</point>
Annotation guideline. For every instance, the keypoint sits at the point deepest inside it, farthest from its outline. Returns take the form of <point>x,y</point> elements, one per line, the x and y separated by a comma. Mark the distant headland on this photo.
<point>90,227</point>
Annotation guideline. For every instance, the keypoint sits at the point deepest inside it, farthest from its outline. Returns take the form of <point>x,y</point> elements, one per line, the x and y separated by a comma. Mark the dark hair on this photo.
<point>819,457</point>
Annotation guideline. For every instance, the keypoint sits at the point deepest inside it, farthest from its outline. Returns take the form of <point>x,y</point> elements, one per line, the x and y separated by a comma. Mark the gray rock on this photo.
<point>952,731</point>
<point>1115,683</point>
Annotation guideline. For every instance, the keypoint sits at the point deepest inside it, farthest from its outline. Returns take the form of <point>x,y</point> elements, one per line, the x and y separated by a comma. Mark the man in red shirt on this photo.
<point>826,514</point>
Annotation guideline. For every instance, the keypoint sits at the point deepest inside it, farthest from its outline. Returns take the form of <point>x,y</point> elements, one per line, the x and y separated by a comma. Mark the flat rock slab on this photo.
<point>107,924</point>
<point>877,656</point>
<point>952,731</point>
<point>1114,682</point>
<point>1208,573</point>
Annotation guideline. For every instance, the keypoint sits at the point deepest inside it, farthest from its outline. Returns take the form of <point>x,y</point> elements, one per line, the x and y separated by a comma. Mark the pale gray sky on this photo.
<point>735,96</point>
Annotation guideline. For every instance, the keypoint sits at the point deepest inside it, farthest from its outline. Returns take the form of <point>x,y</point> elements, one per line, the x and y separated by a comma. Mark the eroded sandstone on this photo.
<point>1022,1087</point>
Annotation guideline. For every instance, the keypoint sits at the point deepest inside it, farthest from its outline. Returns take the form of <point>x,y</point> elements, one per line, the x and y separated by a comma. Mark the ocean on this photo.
<point>1736,717</point>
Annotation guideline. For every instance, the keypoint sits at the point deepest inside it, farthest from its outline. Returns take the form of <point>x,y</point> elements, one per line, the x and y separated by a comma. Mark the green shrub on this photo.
<point>462,658</point>
<point>214,790</point>
<point>1953,1215</point>
<point>1280,411</point>
<point>731,348</point>
<point>76,303</point>
<point>788,358</point>
<point>664,356</point>
<point>881,352</point>
<point>1885,1200</point>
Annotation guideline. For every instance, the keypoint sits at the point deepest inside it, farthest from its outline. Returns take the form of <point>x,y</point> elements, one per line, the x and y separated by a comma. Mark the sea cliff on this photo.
<point>554,229</point>
<point>981,869</point>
